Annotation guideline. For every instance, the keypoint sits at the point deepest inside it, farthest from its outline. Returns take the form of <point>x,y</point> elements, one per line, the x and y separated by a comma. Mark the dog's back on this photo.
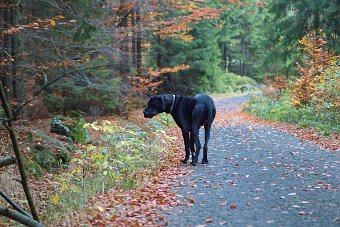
<point>206,104</point>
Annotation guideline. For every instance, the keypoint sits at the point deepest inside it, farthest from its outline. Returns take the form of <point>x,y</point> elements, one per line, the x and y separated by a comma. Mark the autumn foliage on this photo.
<point>275,86</point>
<point>318,70</point>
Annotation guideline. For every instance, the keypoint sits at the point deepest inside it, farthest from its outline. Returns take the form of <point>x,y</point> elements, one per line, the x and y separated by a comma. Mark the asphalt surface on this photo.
<point>258,176</point>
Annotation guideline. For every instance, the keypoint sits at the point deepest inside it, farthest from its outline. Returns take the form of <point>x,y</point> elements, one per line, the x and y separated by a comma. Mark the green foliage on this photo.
<point>202,55</point>
<point>43,158</point>
<point>287,22</point>
<point>282,110</point>
<point>33,168</point>
<point>83,97</point>
<point>78,133</point>
<point>231,83</point>
<point>118,157</point>
<point>161,122</point>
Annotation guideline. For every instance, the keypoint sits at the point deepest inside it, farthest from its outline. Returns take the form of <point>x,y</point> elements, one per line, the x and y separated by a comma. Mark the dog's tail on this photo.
<point>211,113</point>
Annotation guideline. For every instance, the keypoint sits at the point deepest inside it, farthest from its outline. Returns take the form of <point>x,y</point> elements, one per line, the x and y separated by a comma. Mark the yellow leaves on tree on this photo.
<point>53,23</point>
<point>317,65</point>
<point>40,23</point>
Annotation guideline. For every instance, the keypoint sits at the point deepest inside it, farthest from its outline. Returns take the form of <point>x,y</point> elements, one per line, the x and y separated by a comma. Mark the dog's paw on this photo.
<point>194,163</point>
<point>185,161</point>
<point>204,162</point>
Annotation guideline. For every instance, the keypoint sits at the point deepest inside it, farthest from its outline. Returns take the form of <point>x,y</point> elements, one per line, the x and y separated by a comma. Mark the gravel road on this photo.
<point>258,176</point>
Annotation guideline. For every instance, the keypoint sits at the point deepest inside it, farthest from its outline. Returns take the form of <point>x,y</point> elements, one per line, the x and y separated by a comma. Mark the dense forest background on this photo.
<point>101,56</point>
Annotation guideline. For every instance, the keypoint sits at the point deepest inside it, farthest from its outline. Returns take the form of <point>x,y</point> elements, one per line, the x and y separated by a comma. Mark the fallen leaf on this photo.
<point>53,23</point>
<point>302,213</point>
<point>233,206</point>
<point>190,199</point>
<point>209,220</point>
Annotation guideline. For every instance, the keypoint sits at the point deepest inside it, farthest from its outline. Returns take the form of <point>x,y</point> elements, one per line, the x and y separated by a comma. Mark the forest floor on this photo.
<point>260,173</point>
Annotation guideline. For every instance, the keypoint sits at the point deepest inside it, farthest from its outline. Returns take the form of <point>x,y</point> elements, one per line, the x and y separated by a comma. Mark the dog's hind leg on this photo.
<point>195,135</point>
<point>185,134</point>
<point>207,128</point>
<point>192,146</point>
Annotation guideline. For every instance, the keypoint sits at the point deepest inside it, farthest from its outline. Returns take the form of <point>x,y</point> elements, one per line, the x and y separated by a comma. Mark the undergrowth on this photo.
<point>326,121</point>
<point>119,157</point>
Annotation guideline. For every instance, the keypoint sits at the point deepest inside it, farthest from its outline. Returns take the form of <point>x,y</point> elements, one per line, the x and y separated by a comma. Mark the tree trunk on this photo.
<point>18,80</point>
<point>225,57</point>
<point>124,42</point>
<point>10,127</point>
<point>138,41</point>
<point>243,48</point>
<point>316,22</point>
<point>6,75</point>
<point>133,37</point>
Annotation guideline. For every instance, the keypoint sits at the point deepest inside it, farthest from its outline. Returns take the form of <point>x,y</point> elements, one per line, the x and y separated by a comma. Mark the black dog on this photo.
<point>189,113</point>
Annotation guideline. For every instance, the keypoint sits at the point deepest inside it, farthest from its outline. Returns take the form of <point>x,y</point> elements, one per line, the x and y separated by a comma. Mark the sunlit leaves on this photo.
<point>174,69</point>
<point>53,23</point>
<point>317,64</point>
<point>38,24</point>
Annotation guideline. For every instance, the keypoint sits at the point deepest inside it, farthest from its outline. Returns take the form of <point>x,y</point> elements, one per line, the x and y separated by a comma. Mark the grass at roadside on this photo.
<point>326,121</point>
<point>120,156</point>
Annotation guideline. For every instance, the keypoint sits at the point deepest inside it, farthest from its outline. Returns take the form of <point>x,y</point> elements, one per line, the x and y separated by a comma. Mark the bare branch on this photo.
<point>23,219</point>
<point>14,205</point>
<point>5,161</point>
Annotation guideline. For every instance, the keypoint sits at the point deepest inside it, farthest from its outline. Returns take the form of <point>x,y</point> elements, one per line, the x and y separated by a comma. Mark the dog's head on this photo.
<point>156,105</point>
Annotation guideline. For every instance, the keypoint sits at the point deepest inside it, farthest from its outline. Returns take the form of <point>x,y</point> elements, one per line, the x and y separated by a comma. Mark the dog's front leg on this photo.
<point>185,134</point>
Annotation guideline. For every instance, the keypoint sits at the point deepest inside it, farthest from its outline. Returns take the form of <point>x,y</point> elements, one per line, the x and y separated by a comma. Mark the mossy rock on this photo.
<point>65,145</point>
<point>51,159</point>
<point>33,168</point>
<point>46,153</point>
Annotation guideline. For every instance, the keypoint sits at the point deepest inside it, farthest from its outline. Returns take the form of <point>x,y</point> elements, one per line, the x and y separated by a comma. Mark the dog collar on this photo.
<point>173,102</point>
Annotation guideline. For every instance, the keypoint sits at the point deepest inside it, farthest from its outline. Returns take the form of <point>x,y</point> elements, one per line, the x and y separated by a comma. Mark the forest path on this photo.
<point>258,176</point>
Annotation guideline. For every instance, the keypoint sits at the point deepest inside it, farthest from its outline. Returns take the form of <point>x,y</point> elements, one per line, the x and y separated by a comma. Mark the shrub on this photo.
<point>78,133</point>
<point>313,71</point>
<point>231,83</point>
